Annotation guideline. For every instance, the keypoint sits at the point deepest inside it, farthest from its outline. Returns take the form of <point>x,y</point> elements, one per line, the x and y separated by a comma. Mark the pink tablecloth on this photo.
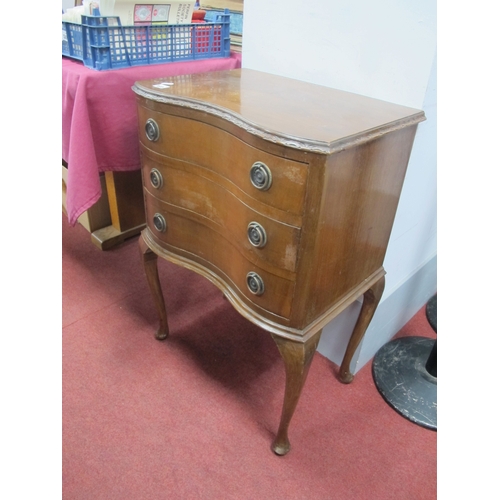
<point>99,122</point>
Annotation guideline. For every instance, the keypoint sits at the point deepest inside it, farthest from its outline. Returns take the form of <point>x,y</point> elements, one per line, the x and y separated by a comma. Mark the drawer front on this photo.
<point>263,241</point>
<point>225,154</point>
<point>219,254</point>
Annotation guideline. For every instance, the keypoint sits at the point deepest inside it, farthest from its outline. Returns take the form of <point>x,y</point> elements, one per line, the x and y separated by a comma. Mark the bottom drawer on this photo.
<point>215,252</point>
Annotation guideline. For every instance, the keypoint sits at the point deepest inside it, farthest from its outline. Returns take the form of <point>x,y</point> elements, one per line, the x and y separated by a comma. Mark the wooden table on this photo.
<point>281,193</point>
<point>100,144</point>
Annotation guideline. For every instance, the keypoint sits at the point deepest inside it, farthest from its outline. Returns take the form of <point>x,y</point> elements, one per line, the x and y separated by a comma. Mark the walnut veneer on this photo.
<point>280,192</point>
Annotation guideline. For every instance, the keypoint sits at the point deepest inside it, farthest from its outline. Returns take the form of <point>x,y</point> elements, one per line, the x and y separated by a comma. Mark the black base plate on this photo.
<point>401,378</point>
<point>431,312</point>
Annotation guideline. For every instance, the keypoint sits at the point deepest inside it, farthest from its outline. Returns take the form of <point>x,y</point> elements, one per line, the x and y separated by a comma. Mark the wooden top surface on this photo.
<point>284,110</point>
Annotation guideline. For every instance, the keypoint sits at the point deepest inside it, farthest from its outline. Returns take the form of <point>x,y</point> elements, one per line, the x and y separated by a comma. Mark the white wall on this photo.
<point>67,4</point>
<point>387,50</point>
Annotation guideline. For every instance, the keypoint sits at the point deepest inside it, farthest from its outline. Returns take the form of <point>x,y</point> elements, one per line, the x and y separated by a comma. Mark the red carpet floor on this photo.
<point>193,417</point>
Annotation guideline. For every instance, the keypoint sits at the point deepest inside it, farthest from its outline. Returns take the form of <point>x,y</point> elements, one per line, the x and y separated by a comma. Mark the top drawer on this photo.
<point>273,180</point>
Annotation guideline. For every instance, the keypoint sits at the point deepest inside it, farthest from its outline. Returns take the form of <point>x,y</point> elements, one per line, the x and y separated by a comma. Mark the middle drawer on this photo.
<point>266,242</point>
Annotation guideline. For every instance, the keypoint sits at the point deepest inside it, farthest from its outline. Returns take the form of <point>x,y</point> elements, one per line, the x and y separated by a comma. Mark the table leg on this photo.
<point>371,299</point>
<point>297,357</point>
<point>150,261</point>
<point>126,206</point>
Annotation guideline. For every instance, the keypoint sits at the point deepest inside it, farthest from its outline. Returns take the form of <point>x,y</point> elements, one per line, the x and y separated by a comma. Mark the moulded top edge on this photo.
<point>296,114</point>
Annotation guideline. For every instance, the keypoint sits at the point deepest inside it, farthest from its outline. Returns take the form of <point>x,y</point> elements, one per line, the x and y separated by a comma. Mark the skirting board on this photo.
<point>393,312</point>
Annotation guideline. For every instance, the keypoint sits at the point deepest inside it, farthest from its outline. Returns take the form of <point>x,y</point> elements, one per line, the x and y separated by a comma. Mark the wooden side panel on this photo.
<point>360,195</point>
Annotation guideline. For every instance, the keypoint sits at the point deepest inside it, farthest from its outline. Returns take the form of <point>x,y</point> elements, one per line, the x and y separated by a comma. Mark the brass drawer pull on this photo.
<point>152,130</point>
<point>256,235</point>
<point>255,283</point>
<point>159,223</point>
<point>156,178</point>
<point>260,176</point>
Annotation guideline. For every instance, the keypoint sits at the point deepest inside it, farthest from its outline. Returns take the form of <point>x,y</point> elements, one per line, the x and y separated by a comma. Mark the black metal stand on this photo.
<point>405,374</point>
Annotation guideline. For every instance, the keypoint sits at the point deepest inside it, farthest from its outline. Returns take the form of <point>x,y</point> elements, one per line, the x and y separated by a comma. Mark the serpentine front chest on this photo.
<point>281,193</point>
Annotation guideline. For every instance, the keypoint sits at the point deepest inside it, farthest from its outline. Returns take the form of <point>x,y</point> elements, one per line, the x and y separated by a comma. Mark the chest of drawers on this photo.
<point>280,192</point>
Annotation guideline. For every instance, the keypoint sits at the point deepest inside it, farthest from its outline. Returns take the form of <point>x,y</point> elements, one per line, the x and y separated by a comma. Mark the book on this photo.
<point>131,12</point>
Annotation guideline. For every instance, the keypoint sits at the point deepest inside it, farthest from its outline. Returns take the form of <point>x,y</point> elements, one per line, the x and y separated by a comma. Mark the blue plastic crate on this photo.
<point>72,45</point>
<point>102,43</point>
<point>235,22</point>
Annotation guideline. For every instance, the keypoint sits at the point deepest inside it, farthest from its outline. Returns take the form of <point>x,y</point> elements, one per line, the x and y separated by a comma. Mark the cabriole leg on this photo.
<point>297,357</point>
<point>371,299</point>
<point>150,261</point>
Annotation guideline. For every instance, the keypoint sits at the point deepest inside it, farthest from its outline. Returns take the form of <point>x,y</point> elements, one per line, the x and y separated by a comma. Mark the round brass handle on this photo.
<point>159,223</point>
<point>256,235</point>
<point>156,178</point>
<point>152,130</point>
<point>261,176</point>
<point>255,283</point>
